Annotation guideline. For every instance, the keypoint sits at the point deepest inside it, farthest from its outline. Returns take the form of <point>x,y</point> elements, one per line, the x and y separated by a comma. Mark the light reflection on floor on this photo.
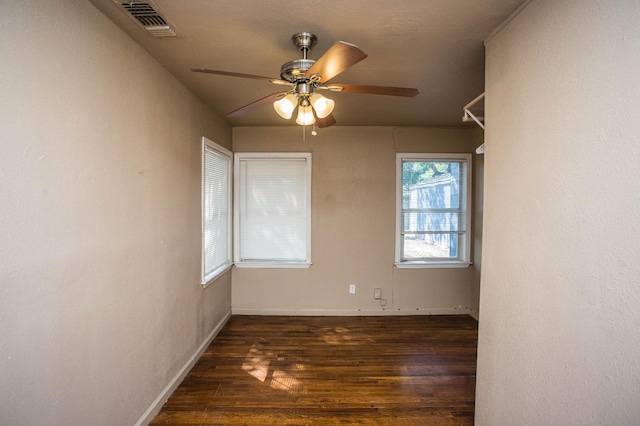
<point>341,335</point>
<point>257,363</point>
<point>285,376</point>
<point>288,373</point>
<point>336,335</point>
<point>288,382</point>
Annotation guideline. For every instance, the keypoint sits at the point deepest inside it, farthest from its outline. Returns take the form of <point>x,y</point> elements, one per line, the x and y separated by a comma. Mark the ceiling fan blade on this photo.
<point>374,90</point>
<point>329,120</point>
<point>255,104</point>
<point>338,58</point>
<point>237,74</point>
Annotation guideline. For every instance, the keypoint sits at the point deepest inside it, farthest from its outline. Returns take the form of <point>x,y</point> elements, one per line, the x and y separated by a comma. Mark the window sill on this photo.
<point>433,265</point>
<point>273,265</point>
<point>216,274</point>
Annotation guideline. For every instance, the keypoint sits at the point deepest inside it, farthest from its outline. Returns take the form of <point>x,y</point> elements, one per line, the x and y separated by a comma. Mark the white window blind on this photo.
<point>273,209</point>
<point>216,210</point>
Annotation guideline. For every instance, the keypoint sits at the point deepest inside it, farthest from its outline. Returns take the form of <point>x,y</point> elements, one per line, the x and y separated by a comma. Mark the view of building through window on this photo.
<point>433,217</point>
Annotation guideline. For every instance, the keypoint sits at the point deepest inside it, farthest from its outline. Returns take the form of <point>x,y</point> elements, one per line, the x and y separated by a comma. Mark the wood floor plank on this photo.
<point>393,370</point>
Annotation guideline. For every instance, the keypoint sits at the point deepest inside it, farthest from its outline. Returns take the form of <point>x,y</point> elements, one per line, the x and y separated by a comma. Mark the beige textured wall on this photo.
<point>353,220</point>
<point>559,339</point>
<point>100,301</point>
<point>478,217</point>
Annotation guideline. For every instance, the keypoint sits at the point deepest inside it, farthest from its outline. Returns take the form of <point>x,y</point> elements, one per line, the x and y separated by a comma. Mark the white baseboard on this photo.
<point>156,406</point>
<point>351,312</point>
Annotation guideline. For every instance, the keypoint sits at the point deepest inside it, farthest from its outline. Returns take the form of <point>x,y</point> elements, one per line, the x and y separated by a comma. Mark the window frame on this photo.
<point>207,279</point>
<point>465,248</point>
<point>239,157</point>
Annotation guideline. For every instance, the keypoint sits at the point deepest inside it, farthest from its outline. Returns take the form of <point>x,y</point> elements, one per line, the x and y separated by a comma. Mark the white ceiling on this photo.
<point>435,46</point>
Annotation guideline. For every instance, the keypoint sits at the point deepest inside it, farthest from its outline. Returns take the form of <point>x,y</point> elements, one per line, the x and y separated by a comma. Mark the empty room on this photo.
<point>314,213</point>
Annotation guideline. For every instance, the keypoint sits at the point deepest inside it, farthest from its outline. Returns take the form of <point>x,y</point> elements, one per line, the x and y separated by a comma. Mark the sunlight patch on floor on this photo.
<point>284,376</point>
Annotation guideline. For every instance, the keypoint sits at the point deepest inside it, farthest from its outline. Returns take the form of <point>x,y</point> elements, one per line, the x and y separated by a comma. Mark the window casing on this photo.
<point>272,196</point>
<point>433,210</point>
<point>216,210</point>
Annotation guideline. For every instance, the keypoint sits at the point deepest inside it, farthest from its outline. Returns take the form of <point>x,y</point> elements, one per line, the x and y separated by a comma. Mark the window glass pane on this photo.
<point>425,246</point>
<point>433,216</point>
<point>430,184</point>
<point>433,221</point>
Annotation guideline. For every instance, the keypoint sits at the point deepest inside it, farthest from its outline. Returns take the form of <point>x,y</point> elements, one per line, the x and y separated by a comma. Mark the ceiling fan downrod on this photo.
<point>304,41</point>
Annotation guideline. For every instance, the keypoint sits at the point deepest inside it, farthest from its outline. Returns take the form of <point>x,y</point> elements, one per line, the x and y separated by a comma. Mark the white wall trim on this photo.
<point>156,406</point>
<point>352,312</point>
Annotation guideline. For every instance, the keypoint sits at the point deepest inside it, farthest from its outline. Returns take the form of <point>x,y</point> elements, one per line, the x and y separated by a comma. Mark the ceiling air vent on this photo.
<point>149,16</point>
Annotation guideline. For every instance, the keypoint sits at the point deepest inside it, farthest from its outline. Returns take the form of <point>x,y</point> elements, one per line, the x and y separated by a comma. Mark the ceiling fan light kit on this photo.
<point>285,106</point>
<point>305,116</point>
<point>306,77</point>
<point>322,106</point>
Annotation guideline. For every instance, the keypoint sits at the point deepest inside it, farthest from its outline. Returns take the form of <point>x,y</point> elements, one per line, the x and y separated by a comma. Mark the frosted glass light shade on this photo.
<point>323,106</point>
<point>285,106</point>
<point>305,116</point>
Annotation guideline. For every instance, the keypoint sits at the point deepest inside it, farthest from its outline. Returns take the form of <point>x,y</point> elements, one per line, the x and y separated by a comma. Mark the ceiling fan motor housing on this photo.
<point>295,70</point>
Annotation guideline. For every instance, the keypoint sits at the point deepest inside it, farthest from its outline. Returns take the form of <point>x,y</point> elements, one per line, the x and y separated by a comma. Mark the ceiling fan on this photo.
<point>306,78</point>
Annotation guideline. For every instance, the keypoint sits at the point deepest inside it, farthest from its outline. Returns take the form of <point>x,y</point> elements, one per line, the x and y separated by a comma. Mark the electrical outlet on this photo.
<point>352,288</point>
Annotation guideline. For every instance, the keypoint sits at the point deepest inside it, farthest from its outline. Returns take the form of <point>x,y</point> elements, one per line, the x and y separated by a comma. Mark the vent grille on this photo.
<point>148,16</point>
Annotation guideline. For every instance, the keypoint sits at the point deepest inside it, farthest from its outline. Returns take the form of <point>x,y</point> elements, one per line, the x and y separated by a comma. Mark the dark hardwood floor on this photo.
<point>392,370</point>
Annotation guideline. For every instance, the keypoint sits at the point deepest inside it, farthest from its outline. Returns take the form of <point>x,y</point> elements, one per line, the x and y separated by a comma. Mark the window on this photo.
<point>433,210</point>
<point>272,210</point>
<point>216,210</point>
